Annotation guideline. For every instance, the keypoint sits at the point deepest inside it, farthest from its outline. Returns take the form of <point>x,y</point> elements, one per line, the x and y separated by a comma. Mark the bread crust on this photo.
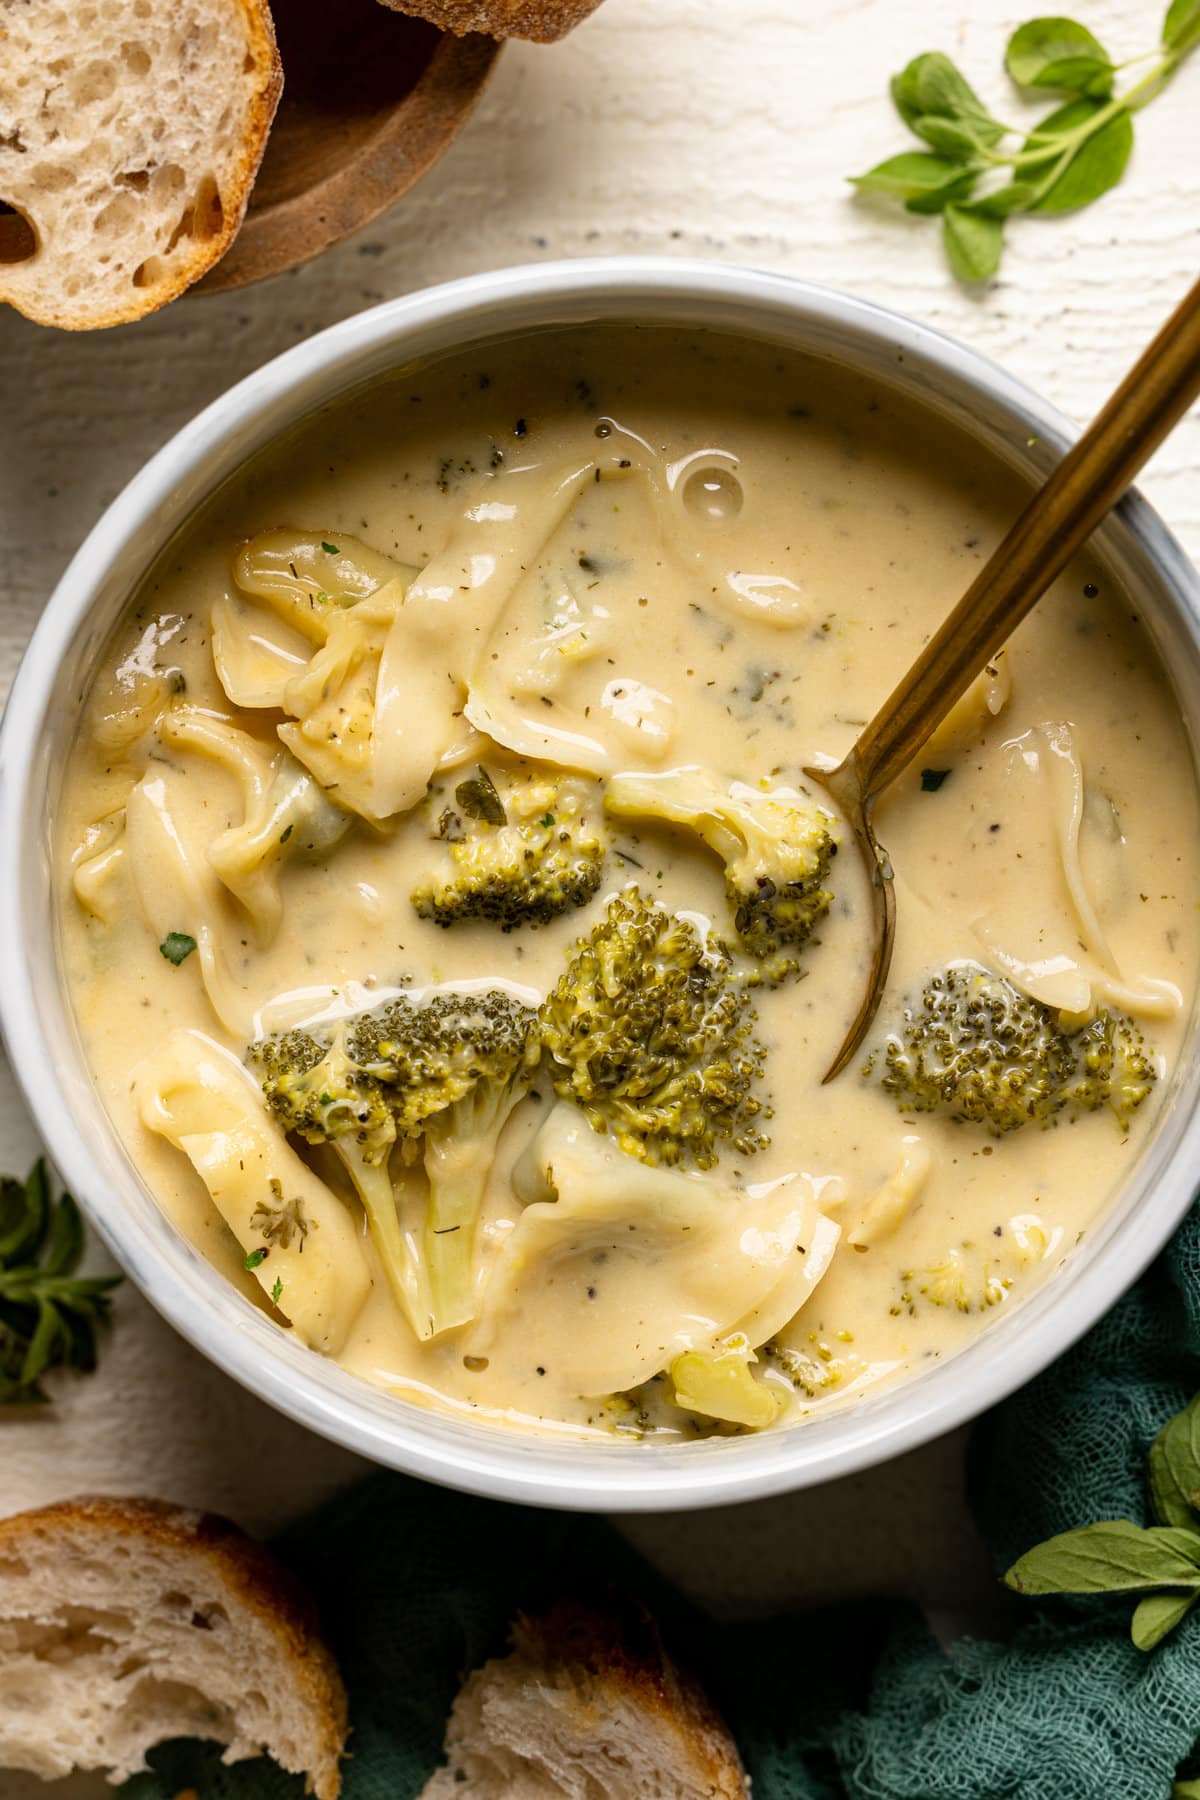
<point>263,50</point>
<point>590,1664</point>
<point>246,1569</point>
<point>543,21</point>
<point>622,1648</point>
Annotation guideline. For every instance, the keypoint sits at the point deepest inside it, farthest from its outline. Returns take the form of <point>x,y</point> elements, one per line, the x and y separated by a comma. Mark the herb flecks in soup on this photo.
<point>458,945</point>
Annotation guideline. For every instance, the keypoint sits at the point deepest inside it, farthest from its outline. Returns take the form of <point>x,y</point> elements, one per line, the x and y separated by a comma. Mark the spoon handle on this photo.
<point>1058,519</point>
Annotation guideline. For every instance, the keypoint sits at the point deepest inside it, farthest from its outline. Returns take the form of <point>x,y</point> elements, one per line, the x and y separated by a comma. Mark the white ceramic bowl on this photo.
<point>981,401</point>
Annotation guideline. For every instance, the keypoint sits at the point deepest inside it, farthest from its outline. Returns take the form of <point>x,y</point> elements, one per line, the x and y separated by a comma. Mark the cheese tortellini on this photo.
<point>301,1243</point>
<point>1045,931</point>
<point>662,1262</point>
<point>285,812</point>
<point>338,638</point>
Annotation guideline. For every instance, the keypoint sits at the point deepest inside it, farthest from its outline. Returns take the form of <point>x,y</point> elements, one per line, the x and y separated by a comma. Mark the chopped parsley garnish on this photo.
<point>330,549</point>
<point>252,1261</point>
<point>932,779</point>
<point>285,835</point>
<point>277,1290</point>
<point>546,821</point>
<point>177,946</point>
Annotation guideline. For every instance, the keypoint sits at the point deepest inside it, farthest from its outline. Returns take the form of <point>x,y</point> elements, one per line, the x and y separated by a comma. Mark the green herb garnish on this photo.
<point>979,170</point>
<point>932,779</point>
<point>330,549</point>
<point>253,1260</point>
<point>281,1223</point>
<point>49,1316</point>
<point>286,833</point>
<point>177,946</point>
<point>546,821</point>
<point>1161,1561</point>
<point>277,1290</point>
<point>479,800</point>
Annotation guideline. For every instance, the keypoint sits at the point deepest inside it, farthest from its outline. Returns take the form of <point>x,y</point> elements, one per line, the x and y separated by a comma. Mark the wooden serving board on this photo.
<point>371,99</point>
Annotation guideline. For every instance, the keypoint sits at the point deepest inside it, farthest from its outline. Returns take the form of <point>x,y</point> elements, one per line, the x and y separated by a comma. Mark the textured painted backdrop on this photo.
<point>720,128</point>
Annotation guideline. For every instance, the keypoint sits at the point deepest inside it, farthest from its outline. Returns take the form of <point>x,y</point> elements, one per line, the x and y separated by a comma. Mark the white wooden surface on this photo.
<point>720,128</point>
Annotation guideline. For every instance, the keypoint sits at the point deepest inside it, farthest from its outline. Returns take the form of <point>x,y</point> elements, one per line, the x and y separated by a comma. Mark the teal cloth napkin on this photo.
<point>416,1586</point>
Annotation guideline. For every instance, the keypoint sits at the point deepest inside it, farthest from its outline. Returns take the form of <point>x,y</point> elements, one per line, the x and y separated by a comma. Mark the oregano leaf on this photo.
<point>1004,200</point>
<point>1173,1466</point>
<point>1045,142</point>
<point>1090,170</point>
<point>918,175</point>
<point>1157,1614</point>
<point>1074,155</point>
<point>973,241</point>
<point>953,137</point>
<point>1114,1556</point>
<point>931,86</point>
<point>64,1241</point>
<point>23,1210</point>
<point>49,1316</point>
<point>941,198</point>
<point>43,1342</point>
<point>1181,27</point>
<point>1059,54</point>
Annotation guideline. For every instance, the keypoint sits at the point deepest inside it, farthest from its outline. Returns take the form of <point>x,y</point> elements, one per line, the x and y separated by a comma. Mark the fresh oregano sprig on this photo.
<point>1161,1561</point>
<point>978,170</point>
<point>49,1316</point>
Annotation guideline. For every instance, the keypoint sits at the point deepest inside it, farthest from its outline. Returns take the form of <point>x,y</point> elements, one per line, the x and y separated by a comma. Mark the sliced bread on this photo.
<point>587,1706</point>
<point>124,1623</point>
<point>130,135</point>
<point>541,20</point>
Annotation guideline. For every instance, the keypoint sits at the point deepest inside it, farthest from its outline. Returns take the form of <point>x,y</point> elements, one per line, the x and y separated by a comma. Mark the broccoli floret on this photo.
<point>972,1277</point>
<point>651,1034</point>
<point>718,1384</point>
<point>817,1368</point>
<point>517,854</point>
<point>455,1068</point>
<point>975,1047</point>
<point>1115,1070</point>
<point>316,1090</point>
<point>777,848</point>
<point>966,1285</point>
<point>438,1075</point>
<point>423,1053</point>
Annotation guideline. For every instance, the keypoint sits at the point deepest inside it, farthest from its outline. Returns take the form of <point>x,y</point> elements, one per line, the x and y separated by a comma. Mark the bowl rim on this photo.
<point>186,1290</point>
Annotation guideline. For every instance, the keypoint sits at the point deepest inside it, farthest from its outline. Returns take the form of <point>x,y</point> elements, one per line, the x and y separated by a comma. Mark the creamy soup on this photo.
<point>500,681</point>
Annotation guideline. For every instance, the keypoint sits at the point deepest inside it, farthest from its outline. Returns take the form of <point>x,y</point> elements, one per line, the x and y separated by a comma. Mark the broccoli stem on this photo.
<point>457,1180</point>
<point>407,1280</point>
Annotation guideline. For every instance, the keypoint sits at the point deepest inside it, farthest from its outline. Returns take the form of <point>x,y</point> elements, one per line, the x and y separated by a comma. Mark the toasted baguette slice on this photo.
<point>130,135</point>
<point>127,1622</point>
<point>586,1707</point>
<point>541,20</point>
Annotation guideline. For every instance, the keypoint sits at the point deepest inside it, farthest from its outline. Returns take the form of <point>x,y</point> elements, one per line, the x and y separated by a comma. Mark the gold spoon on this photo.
<point>1088,481</point>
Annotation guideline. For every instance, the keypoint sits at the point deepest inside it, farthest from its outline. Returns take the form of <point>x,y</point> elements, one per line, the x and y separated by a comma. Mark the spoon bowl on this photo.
<point>1059,518</point>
